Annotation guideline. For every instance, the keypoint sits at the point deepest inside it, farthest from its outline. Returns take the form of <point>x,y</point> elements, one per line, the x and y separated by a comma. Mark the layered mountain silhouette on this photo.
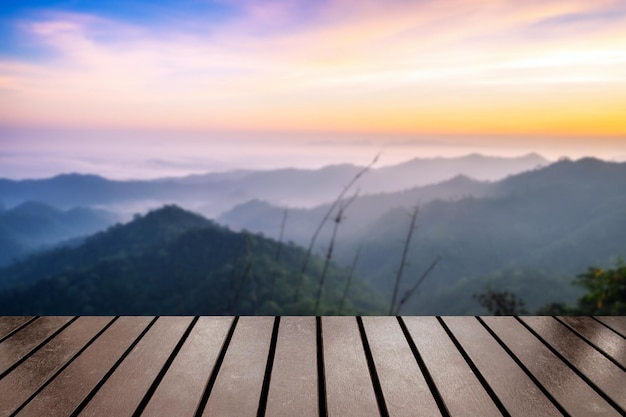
<point>529,232</point>
<point>213,194</point>
<point>171,261</point>
<point>533,232</point>
<point>33,225</point>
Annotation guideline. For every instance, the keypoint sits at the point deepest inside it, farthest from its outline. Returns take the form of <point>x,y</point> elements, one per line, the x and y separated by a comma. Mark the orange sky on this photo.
<point>436,67</point>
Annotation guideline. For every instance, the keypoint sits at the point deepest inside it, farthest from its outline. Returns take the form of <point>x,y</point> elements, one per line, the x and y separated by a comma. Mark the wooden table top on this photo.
<point>312,366</point>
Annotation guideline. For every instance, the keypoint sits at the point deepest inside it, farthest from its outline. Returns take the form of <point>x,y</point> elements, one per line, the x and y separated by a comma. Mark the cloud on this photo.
<point>317,65</point>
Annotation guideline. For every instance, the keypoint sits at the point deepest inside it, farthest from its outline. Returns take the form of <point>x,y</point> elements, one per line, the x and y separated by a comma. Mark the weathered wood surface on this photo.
<point>461,390</point>
<point>558,378</point>
<point>349,389</point>
<point>180,391</point>
<point>307,366</point>
<point>519,395</point>
<point>293,388</point>
<point>17,346</point>
<point>10,324</point>
<point>237,389</point>
<point>610,344</point>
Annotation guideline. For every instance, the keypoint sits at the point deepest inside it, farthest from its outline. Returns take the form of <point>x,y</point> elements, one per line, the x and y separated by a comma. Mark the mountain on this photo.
<point>33,225</point>
<point>216,193</point>
<point>424,171</point>
<point>171,261</point>
<point>534,234</point>
<point>531,232</point>
<point>262,217</point>
<point>69,190</point>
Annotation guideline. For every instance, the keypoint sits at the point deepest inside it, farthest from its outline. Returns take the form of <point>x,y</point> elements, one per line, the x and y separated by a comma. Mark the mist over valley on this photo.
<point>84,244</point>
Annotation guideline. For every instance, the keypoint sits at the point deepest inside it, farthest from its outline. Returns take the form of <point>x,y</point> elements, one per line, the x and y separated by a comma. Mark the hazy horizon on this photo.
<point>123,155</point>
<point>149,89</point>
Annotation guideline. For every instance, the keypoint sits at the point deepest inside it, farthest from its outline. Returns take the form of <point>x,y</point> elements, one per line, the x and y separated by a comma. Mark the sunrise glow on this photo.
<point>531,69</point>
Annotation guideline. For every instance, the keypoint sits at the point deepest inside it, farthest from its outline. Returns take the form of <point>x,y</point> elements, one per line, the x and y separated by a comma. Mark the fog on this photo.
<point>115,154</point>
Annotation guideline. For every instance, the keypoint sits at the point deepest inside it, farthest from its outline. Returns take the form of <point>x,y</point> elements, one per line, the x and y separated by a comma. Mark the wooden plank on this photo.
<point>293,387</point>
<point>591,363</point>
<point>616,323</point>
<point>349,390</point>
<point>517,392</point>
<point>66,392</point>
<point>405,390</point>
<point>181,389</point>
<point>24,380</point>
<point>22,343</point>
<point>123,391</point>
<point>237,389</point>
<point>572,393</point>
<point>10,323</point>
<point>598,335</point>
<point>460,389</point>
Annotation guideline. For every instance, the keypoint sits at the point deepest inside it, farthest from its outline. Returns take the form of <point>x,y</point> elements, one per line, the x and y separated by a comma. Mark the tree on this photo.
<point>501,303</point>
<point>606,290</point>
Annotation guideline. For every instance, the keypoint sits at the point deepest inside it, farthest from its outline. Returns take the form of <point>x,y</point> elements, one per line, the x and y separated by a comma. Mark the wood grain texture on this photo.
<point>20,344</point>
<point>181,389</point>
<point>517,392</point>
<point>591,363</point>
<point>123,391</point>
<point>462,392</point>
<point>237,389</point>
<point>574,395</point>
<point>183,366</point>
<point>66,392</point>
<point>598,335</point>
<point>10,323</point>
<point>24,380</point>
<point>349,390</point>
<point>404,387</point>
<point>618,324</point>
<point>293,386</point>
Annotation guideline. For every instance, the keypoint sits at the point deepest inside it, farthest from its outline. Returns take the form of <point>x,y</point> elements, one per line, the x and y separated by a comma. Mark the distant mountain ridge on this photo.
<point>262,217</point>
<point>533,231</point>
<point>537,232</point>
<point>530,233</point>
<point>32,225</point>
<point>213,194</point>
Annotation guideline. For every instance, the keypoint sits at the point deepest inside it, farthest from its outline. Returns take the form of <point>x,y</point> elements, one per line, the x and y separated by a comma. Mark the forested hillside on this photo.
<point>32,225</point>
<point>530,233</point>
<point>171,261</point>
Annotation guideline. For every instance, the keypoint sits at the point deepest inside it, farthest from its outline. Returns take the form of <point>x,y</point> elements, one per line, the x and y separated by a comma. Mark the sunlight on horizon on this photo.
<point>458,67</point>
<point>39,153</point>
<point>148,89</point>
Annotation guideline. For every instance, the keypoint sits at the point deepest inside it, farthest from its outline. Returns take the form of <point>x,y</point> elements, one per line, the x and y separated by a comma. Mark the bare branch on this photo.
<point>277,255</point>
<point>246,274</point>
<point>331,246</point>
<point>324,220</point>
<point>410,292</point>
<point>403,261</point>
<point>349,281</point>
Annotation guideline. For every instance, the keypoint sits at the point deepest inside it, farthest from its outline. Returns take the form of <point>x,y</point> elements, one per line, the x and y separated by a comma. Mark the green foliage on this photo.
<point>606,293</point>
<point>172,262</point>
<point>530,236</point>
<point>606,290</point>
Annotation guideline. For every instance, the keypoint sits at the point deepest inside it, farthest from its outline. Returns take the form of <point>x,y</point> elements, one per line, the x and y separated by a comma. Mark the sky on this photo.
<point>147,88</point>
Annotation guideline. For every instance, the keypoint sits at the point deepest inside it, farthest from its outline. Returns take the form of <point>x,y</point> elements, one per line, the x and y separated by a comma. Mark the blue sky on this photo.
<point>538,75</point>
